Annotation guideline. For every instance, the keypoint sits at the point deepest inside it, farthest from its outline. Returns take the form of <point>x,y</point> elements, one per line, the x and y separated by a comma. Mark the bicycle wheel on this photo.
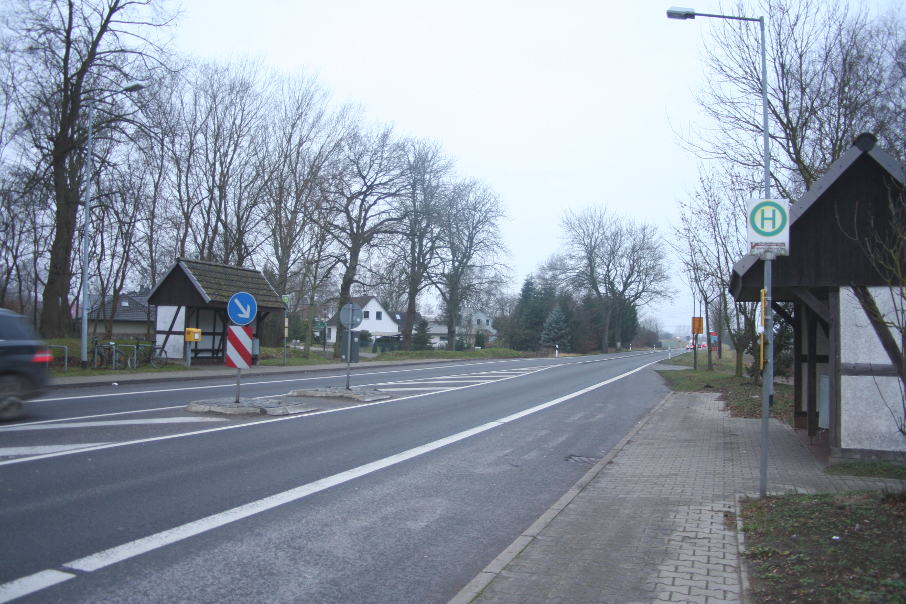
<point>121,359</point>
<point>158,357</point>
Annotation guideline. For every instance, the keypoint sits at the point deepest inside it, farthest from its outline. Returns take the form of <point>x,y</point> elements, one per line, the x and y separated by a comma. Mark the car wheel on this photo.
<point>12,390</point>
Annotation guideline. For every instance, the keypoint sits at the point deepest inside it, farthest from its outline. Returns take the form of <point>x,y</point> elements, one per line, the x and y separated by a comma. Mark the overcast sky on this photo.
<point>553,105</point>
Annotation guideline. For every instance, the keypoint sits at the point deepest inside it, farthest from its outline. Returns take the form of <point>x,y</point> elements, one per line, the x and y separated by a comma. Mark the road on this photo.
<point>117,494</point>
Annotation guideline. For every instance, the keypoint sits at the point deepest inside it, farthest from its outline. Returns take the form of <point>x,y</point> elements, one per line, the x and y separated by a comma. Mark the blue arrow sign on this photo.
<point>242,308</point>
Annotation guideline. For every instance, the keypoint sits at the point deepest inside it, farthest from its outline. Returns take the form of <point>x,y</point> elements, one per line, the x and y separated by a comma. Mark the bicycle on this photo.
<point>106,355</point>
<point>150,354</point>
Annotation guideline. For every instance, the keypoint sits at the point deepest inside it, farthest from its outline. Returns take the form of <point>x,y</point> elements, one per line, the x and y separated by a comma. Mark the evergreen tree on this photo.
<point>556,330</point>
<point>421,339</point>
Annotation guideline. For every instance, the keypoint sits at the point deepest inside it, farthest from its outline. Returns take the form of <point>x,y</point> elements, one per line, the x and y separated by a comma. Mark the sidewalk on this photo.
<point>655,520</point>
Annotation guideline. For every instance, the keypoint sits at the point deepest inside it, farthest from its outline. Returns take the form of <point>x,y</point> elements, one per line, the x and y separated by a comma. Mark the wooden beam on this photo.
<point>783,313</point>
<point>815,305</point>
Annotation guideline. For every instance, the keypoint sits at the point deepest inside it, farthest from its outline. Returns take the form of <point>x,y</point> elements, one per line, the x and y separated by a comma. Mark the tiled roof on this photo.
<point>130,307</point>
<point>215,283</point>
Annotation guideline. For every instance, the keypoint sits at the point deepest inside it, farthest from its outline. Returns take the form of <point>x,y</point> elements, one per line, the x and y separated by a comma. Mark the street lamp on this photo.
<point>86,224</point>
<point>767,390</point>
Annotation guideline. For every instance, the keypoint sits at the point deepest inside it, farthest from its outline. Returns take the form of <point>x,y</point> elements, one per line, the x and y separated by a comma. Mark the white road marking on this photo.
<point>137,547</point>
<point>66,419</point>
<point>232,384</point>
<point>246,425</point>
<point>41,449</point>
<point>112,422</point>
<point>32,583</point>
<point>414,388</point>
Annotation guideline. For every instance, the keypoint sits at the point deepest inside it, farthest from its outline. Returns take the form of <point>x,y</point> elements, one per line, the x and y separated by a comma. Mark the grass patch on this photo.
<point>876,469</point>
<point>845,547</point>
<point>741,395</point>
<point>484,353</point>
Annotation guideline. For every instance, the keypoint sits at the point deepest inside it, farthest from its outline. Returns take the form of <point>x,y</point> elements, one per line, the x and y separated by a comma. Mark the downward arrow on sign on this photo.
<point>244,311</point>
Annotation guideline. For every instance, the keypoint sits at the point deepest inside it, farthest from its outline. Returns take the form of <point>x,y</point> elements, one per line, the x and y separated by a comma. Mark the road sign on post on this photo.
<point>242,308</point>
<point>238,351</point>
<point>768,226</point>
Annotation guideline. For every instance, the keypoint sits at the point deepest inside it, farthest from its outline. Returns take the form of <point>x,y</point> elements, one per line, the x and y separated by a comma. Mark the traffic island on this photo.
<point>292,403</point>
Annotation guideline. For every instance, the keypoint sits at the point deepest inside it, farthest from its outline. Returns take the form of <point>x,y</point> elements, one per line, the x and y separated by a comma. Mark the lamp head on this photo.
<point>678,12</point>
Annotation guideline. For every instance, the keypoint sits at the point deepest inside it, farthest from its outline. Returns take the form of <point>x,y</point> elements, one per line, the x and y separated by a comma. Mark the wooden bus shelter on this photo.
<point>845,372</point>
<point>194,293</point>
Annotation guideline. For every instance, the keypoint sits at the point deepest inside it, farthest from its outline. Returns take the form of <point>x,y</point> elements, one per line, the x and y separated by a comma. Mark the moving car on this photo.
<point>24,361</point>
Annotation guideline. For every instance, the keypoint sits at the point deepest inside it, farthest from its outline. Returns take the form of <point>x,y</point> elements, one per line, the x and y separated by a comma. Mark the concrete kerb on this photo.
<point>474,587</point>
<point>292,403</point>
<point>744,585</point>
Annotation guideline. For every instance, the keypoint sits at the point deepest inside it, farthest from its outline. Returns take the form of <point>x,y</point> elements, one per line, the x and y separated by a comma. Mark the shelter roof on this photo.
<point>851,201</point>
<point>199,283</point>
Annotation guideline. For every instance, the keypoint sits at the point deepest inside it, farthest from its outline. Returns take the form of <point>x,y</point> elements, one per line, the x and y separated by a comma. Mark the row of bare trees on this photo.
<point>221,162</point>
<point>834,70</point>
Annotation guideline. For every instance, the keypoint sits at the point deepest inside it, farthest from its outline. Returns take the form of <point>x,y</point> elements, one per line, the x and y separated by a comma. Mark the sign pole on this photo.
<point>238,379</point>
<point>348,354</point>
<point>767,378</point>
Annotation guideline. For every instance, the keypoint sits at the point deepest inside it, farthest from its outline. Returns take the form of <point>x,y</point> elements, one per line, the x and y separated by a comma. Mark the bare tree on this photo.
<point>832,75</point>
<point>593,240</point>
<point>66,54</point>
<point>416,253</point>
<point>711,238</point>
<point>469,268</point>
<point>363,198</point>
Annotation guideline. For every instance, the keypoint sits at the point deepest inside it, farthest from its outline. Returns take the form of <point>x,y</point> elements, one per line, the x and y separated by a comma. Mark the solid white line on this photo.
<point>41,449</point>
<point>137,547</point>
<point>413,389</point>
<point>113,422</point>
<point>32,583</point>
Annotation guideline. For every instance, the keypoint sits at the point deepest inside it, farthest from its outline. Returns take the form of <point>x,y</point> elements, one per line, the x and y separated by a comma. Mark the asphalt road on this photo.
<point>116,494</point>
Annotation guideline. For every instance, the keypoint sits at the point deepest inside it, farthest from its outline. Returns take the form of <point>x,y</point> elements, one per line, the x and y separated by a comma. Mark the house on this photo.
<point>132,316</point>
<point>848,362</point>
<point>375,319</point>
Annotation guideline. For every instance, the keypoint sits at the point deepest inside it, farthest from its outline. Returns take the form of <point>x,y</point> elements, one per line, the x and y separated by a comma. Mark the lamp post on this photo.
<point>86,223</point>
<point>767,390</point>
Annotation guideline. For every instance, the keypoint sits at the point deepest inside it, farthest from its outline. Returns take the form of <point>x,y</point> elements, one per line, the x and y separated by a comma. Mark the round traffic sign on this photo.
<point>242,308</point>
<point>351,315</point>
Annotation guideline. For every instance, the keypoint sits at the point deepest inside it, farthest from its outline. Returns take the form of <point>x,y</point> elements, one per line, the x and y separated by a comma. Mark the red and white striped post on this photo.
<point>239,350</point>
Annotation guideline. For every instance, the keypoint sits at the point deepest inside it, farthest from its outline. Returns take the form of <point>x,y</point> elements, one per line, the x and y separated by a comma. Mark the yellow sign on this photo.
<point>697,323</point>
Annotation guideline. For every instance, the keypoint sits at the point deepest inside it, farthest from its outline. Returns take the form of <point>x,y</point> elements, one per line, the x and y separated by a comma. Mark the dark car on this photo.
<point>24,361</point>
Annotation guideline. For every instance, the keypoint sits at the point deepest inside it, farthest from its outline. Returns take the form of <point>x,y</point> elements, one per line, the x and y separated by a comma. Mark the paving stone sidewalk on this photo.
<point>655,521</point>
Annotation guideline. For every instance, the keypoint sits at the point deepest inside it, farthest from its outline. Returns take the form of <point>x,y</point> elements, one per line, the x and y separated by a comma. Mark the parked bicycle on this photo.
<point>149,354</point>
<point>106,355</point>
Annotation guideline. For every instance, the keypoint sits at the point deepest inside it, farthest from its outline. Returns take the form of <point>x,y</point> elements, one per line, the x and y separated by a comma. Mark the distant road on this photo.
<point>117,494</point>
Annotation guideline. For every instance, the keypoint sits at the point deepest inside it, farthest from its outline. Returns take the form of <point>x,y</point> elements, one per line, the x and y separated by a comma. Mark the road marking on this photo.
<point>112,422</point>
<point>323,377</point>
<point>276,419</point>
<point>66,419</point>
<point>41,449</point>
<point>156,541</point>
<point>32,583</point>
<point>233,384</point>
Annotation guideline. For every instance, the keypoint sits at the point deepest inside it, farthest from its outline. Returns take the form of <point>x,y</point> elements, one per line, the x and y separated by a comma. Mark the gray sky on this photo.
<point>553,105</point>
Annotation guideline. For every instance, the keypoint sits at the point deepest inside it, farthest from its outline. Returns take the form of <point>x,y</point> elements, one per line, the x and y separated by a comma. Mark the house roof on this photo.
<point>130,307</point>
<point>852,197</point>
<point>199,283</point>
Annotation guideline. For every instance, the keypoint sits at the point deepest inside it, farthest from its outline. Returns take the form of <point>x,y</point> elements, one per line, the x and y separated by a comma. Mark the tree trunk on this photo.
<point>55,316</point>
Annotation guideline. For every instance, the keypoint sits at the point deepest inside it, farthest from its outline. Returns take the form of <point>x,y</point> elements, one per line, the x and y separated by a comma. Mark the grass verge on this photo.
<point>741,395</point>
<point>875,469</point>
<point>846,547</point>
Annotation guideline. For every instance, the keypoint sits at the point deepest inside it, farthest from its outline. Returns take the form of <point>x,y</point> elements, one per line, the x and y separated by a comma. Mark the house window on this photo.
<point>378,314</point>
<point>365,314</point>
<point>328,333</point>
<point>477,321</point>
<point>487,322</point>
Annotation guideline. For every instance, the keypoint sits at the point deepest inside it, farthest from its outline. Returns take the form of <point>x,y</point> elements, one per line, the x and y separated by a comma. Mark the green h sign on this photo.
<point>768,227</point>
